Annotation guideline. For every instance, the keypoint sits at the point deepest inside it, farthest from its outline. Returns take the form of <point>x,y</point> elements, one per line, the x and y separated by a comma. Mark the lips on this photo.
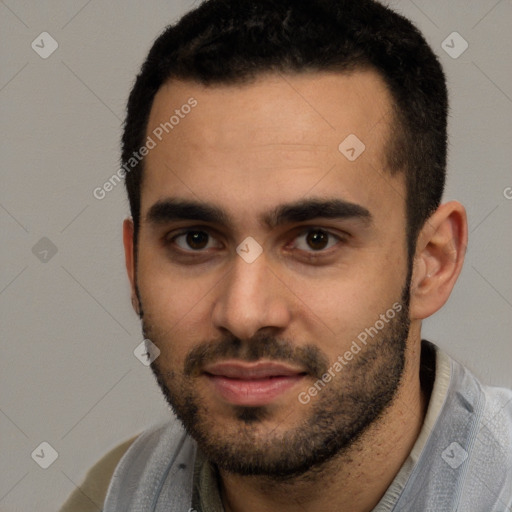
<point>252,384</point>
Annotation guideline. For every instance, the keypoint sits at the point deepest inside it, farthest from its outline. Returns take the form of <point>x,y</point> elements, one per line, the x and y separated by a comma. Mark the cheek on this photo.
<point>169,293</point>
<point>176,307</point>
<point>337,310</point>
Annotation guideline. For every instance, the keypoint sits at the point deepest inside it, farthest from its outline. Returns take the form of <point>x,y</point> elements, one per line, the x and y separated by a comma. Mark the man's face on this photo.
<point>319,276</point>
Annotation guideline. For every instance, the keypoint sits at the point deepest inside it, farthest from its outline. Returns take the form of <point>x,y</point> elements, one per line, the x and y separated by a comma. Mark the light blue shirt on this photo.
<point>461,461</point>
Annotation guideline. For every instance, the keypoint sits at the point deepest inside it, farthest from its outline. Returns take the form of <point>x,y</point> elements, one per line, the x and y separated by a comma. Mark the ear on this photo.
<point>438,259</point>
<point>129,256</point>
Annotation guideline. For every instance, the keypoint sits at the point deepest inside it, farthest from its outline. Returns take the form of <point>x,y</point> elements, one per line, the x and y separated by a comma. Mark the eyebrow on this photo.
<point>310,209</point>
<point>178,209</point>
<point>168,210</point>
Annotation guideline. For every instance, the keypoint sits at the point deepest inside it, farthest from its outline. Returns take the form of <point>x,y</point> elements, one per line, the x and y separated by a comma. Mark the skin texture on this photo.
<point>247,150</point>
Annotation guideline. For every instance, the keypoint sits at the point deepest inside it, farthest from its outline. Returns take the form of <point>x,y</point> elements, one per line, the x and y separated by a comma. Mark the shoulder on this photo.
<point>490,406</point>
<point>130,465</point>
<point>497,417</point>
<point>159,464</point>
<point>488,444</point>
<point>491,466</point>
<point>90,496</point>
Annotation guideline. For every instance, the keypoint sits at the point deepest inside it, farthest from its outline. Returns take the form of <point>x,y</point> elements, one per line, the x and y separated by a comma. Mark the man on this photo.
<point>285,163</point>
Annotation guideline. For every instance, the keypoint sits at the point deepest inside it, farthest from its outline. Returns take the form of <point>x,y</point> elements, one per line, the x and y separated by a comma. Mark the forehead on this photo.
<point>273,140</point>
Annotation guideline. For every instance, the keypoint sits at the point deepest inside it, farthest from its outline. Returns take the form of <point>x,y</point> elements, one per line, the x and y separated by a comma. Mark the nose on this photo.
<point>251,298</point>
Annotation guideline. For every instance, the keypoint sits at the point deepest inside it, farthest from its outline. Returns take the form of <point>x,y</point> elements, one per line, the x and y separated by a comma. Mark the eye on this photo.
<point>315,240</point>
<point>195,240</point>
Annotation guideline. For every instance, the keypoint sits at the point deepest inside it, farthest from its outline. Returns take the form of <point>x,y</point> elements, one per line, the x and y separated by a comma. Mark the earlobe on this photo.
<point>135,304</point>
<point>439,256</point>
<point>129,247</point>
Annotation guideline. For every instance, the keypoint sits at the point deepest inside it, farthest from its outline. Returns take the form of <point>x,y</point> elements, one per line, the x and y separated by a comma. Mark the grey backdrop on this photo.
<point>68,375</point>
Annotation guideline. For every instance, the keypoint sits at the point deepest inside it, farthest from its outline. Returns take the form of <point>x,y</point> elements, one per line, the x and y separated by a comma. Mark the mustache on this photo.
<point>260,346</point>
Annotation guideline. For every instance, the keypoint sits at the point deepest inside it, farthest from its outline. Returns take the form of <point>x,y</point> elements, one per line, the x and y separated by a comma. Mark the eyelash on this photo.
<point>171,241</point>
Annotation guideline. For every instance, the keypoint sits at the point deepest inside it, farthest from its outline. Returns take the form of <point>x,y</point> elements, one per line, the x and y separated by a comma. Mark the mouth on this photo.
<point>252,384</point>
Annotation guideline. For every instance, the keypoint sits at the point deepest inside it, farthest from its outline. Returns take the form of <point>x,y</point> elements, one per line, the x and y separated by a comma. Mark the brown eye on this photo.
<point>197,239</point>
<point>317,240</point>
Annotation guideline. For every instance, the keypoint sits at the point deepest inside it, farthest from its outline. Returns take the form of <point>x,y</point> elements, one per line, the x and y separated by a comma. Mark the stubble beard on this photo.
<point>332,424</point>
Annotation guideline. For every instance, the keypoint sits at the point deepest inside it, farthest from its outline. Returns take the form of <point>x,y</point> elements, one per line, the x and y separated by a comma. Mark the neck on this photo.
<point>355,480</point>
